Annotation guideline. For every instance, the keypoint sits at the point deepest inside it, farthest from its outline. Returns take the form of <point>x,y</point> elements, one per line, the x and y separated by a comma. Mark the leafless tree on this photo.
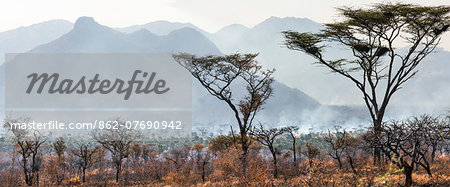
<point>405,141</point>
<point>29,148</point>
<point>438,133</point>
<point>85,154</point>
<point>202,159</point>
<point>338,141</point>
<point>217,74</point>
<point>311,153</point>
<point>180,159</point>
<point>353,150</point>
<point>291,130</point>
<point>118,142</point>
<point>59,146</point>
<point>267,138</point>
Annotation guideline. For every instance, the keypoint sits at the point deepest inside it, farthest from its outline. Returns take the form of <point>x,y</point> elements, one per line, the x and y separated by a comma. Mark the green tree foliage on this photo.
<point>377,68</point>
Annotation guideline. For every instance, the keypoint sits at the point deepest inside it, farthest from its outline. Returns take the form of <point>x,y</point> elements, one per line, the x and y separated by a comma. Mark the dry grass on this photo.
<point>227,172</point>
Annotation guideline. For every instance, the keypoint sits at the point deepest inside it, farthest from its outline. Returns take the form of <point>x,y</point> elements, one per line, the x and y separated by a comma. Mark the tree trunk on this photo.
<point>37,178</point>
<point>433,153</point>
<point>84,175</point>
<point>244,153</point>
<point>203,172</point>
<point>28,177</point>
<point>340,163</point>
<point>408,174</point>
<point>275,166</point>
<point>350,160</point>
<point>117,176</point>
<point>428,171</point>
<point>118,170</point>
<point>377,151</point>
<point>28,180</point>
<point>293,149</point>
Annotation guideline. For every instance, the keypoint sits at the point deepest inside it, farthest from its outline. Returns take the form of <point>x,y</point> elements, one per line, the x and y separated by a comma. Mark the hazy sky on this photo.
<point>210,15</point>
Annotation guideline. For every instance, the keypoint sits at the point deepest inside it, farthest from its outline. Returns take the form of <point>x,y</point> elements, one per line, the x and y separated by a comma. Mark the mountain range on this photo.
<point>26,38</point>
<point>88,36</point>
<point>297,78</point>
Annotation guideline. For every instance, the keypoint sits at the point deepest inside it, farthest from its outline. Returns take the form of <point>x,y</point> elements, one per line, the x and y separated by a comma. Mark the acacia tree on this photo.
<point>267,138</point>
<point>377,68</point>
<point>217,74</point>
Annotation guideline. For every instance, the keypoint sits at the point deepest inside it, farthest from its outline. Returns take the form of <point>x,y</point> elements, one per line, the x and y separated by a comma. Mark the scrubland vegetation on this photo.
<point>416,149</point>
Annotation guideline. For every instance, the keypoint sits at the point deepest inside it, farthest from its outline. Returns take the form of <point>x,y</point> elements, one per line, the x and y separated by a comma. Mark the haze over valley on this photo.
<point>304,93</point>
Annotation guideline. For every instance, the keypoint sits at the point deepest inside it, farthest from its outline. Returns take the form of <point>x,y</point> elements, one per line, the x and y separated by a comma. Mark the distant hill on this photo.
<point>266,32</point>
<point>23,39</point>
<point>90,37</point>
<point>160,27</point>
<point>226,37</point>
<point>266,39</point>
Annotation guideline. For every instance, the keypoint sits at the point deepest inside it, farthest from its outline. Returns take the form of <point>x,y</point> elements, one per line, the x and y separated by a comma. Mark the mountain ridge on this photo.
<point>90,37</point>
<point>264,38</point>
<point>160,27</point>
